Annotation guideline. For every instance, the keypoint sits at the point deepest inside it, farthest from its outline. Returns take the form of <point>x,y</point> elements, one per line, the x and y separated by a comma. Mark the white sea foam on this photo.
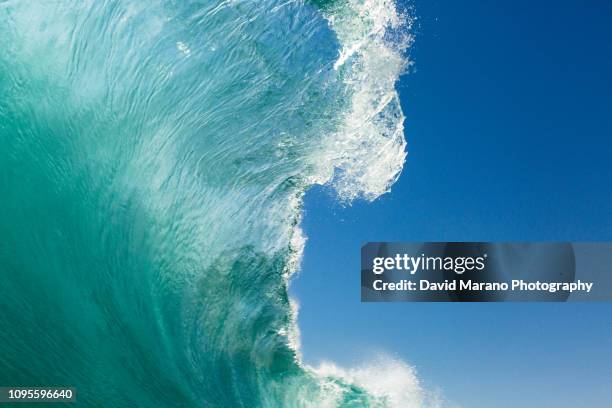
<point>392,381</point>
<point>387,381</point>
<point>365,155</point>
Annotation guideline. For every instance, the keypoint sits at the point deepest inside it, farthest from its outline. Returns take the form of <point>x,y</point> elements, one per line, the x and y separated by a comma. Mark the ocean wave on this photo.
<point>155,155</point>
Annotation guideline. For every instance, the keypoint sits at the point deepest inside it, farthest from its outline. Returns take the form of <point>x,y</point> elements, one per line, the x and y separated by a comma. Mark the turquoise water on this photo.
<point>154,156</point>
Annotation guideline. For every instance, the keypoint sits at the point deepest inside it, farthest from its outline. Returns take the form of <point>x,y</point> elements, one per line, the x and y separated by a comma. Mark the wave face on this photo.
<point>154,157</point>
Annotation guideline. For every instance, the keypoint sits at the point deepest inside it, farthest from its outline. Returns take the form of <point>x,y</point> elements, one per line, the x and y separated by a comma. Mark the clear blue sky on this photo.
<point>509,128</point>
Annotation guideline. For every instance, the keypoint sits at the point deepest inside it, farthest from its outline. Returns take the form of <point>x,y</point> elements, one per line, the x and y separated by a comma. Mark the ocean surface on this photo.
<point>153,159</point>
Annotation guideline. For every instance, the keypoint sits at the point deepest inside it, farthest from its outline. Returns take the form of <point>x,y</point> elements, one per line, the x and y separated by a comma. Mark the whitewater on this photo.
<point>153,163</point>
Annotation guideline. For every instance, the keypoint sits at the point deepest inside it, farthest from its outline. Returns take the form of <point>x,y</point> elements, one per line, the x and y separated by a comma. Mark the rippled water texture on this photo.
<point>153,159</point>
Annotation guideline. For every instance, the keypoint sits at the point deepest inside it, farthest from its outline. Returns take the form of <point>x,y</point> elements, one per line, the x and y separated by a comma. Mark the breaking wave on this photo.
<point>154,159</point>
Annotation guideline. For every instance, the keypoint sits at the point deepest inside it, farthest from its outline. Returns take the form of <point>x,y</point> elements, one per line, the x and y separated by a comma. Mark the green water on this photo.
<point>153,160</point>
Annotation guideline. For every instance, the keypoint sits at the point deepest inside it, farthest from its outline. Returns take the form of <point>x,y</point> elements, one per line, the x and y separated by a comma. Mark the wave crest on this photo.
<point>366,153</point>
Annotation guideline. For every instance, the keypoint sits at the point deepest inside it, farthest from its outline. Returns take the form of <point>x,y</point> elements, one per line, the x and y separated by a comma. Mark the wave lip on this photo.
<point>366,153</point>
